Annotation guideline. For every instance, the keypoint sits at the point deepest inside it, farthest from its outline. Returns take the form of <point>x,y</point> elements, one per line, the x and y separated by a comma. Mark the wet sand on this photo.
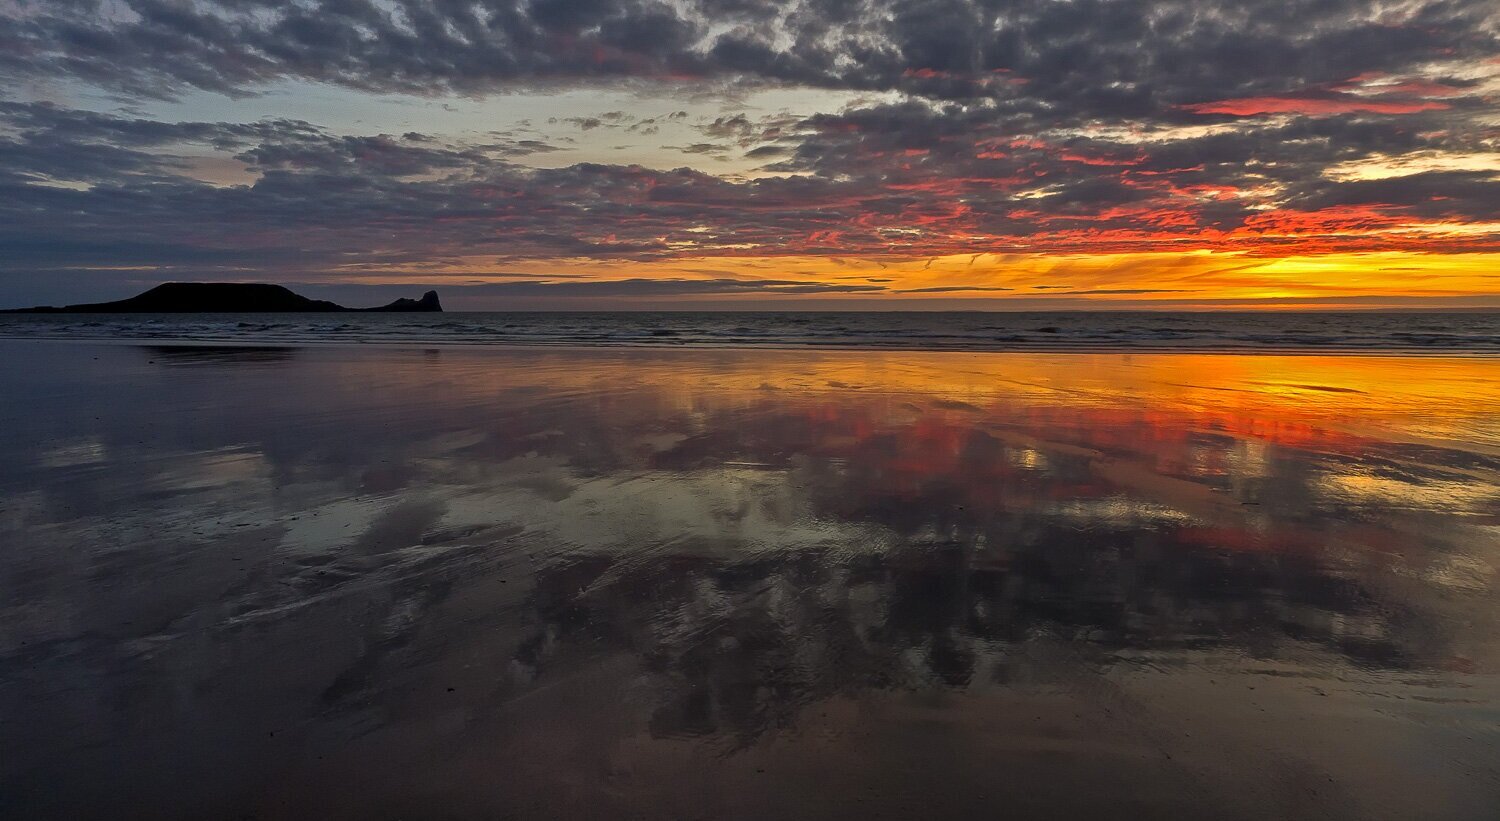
<point>344,582</point>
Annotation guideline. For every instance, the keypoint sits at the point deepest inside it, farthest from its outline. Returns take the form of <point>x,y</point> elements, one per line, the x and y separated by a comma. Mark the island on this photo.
<point>224,298</point>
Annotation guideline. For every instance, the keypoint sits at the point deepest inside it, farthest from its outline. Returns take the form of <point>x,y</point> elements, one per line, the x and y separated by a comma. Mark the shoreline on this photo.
<point>668,345</point>
<point>326,561</point>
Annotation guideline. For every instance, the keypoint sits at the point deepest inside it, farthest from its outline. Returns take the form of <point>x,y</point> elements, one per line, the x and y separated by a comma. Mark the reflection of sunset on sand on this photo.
<point>547,582</point>
<point>1267,397</point>
<point>1037,410</point>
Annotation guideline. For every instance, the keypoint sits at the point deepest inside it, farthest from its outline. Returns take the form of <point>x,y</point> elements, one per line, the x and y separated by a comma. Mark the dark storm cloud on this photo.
<point>833,143</point>
<point>1473,195</point>
<point>322,199</point>
<point>68,144</point>
<point>1020,127</point>
<point>74,125</point>
<point>906,180</point>
<point>983,171</point>
<point>1094,58</point>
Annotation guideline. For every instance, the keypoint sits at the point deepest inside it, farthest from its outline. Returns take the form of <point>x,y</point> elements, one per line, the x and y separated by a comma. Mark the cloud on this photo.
<point>1341,104</point>
<point>1120,58</point>
<point>944,289</point>
<point>1028,127</point>
<point>1116,291</point>
<point>698,148</point>
<point>639,287</point>
<point>911,180</point>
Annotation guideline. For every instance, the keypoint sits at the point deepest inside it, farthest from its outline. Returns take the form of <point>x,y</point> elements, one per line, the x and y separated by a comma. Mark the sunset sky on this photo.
<point>859,154</point>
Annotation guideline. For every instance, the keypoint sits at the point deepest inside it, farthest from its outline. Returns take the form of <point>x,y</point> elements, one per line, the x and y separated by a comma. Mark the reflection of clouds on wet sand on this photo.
<point>276,567</point>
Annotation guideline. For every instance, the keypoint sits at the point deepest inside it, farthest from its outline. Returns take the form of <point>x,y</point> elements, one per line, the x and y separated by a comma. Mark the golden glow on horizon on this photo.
<point>1199,278</point>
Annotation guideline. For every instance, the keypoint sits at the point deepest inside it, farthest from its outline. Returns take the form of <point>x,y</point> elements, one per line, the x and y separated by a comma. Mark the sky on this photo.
<point>732,154</point>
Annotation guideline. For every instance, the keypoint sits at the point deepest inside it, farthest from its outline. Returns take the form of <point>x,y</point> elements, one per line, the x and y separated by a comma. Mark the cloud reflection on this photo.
<point>753,533</point>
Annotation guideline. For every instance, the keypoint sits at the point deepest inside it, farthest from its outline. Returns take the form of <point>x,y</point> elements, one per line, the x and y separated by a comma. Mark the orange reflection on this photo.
<point>1334,402</point>
<point>1198,435</point>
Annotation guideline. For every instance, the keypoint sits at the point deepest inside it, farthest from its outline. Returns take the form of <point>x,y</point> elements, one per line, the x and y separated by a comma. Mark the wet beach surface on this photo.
<point>345,582</point>
<point>1427,333</point>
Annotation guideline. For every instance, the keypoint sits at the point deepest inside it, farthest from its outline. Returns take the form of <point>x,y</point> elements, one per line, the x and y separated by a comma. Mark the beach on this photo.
<point>367,581</point>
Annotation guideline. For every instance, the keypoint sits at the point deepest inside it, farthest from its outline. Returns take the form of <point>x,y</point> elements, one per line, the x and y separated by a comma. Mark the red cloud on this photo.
<point>1331,104</point>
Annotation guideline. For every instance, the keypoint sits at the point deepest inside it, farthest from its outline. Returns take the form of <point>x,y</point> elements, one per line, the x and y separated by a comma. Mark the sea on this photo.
<point>1319,332</point>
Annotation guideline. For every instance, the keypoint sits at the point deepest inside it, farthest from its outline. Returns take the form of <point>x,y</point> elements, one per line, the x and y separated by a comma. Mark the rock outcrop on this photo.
<point>228,297</point>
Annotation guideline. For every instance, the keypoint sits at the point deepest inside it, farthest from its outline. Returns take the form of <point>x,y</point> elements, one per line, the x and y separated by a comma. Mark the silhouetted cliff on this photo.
<point>228,297</point>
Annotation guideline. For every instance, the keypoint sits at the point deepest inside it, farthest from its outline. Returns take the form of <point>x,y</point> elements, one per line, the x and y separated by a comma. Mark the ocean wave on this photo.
<point>1461,333</point>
